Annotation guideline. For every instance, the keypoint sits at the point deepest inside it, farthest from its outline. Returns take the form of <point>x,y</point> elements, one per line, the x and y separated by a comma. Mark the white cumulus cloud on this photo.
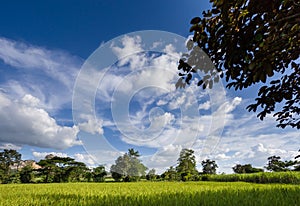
<point>24,122</point>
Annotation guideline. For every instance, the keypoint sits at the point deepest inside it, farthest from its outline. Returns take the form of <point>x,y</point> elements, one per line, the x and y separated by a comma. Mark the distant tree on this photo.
<point>209,166</point>
<point>247,168</point>
<point>120,169</point>
<point>250,42</point>
<point>9,158</point>
<point>186,165</point>
<point>74,171</point>
<point>276,165</point>
<point>128,167</point>
<point>88,176</point>
<point>48,169</point>
<point>26,174</point>
<point>62,169</point>
<point>239,169</point>
<point>151,175</point>
<point>170,174</point>
<point>99,174</point>
<point>117,176</point>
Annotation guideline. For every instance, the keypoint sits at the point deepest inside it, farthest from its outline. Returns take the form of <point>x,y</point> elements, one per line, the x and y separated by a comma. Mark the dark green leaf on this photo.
<point>196,20</point>
<point>200,83</point>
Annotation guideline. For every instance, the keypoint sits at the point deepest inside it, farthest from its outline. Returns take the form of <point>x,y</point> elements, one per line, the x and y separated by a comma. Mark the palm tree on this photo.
<point>133,153</point>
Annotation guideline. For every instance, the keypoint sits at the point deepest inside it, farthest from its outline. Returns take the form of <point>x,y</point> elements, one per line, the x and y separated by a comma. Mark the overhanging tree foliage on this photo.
<point>249,42</point>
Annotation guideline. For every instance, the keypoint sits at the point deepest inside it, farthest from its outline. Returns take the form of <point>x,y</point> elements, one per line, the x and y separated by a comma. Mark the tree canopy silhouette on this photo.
<point>250,42</point>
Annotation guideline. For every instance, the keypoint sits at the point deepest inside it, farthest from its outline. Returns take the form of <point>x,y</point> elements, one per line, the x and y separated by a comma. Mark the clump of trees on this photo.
<point>50,169</point>
<point>129,168</point>
<point>61,169</point>
<point>247,168</point>
<point>186,170</point>
<point>275,164</point>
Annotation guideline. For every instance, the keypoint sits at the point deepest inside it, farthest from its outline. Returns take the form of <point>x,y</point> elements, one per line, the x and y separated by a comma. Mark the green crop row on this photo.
<point>150,193</point>
<point>263,177</point>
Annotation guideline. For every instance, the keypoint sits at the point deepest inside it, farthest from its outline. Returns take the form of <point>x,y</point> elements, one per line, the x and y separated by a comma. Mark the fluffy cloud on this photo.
<point>25,122</point>
<point>86,158</point>
<point>204,106</point>
<point>91,125</point>
<point>127,53</point>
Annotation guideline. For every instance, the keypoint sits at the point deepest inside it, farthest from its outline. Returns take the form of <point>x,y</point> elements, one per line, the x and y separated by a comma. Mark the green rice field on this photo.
<point>150,193</point>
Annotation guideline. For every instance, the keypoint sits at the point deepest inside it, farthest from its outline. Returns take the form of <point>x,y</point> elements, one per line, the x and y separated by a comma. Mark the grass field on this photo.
<point>150,193</point>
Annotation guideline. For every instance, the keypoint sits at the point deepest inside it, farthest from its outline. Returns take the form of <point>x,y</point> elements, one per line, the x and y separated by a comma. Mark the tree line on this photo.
<point>50,169</point>
<point>127,168</point>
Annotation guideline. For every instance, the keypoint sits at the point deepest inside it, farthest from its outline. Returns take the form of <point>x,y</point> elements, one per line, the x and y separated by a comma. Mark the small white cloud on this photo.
<point>171,50</point>
<point>156,44</point>
<point>229,106</point>
<point>91,124</point>
<point>130,45</point>
<point>161,102</point>
<point>86,158</point>
<point>204,106</point>
<point>30,100</point>
<point>128,53</point>
<point>10,146</point>
<point>222,157</point>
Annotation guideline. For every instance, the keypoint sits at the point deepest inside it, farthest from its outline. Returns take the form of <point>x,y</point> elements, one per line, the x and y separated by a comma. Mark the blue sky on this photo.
<point>77,79</point>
